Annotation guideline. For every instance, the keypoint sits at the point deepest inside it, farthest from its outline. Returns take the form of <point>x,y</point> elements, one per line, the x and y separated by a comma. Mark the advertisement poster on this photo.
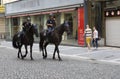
<point>81,41</point>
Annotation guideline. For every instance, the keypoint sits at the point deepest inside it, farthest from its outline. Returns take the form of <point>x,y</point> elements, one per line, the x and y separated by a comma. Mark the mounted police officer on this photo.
<point>51,23</point>
<point>26,24</point>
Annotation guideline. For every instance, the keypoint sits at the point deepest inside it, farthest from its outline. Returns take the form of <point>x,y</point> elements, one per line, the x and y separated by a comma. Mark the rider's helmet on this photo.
<point>51,15</point>
<point>28,19</point>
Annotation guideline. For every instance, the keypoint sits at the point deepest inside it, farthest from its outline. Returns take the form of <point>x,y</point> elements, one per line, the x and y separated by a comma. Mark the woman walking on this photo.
<point>88,35</point>
<point>95,38</point>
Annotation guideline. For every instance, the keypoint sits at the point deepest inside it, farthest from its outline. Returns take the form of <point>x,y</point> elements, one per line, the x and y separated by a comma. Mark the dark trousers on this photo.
<point>48,34</point>
<point>95,42</point>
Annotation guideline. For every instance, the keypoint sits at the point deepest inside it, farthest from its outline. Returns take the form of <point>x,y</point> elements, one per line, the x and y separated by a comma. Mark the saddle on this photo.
<point>21,35</point>
<point>48,33</point>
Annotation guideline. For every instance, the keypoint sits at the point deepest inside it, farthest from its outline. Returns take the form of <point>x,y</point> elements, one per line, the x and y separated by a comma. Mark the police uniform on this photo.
<point>51,28</point>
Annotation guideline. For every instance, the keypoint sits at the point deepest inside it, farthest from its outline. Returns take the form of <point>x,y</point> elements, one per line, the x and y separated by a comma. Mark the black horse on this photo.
<point>55,38</point>
<point>26,38</point>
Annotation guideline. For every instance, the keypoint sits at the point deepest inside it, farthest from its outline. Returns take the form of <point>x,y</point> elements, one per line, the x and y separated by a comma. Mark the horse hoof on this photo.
<point>60,59</point>
<point>44,57</point>
<point>18,56</point>
<point>54,58</point>
<point>22,57</point>
<point>32,59</point>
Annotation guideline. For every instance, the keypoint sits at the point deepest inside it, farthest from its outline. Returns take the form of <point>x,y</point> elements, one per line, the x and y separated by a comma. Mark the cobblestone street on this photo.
<point>36,34</point>
<point>70,68</point>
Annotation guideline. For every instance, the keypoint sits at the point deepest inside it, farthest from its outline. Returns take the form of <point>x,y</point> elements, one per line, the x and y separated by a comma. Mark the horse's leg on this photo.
<point>25,52</point>
<point>21,54</point>
<point>58,53</point>
<point>31,52</point>
<point>18,53</point>
<point>45,56</point>
<point>41,43</point>
<point>54,52</point>
<point>41,47</point>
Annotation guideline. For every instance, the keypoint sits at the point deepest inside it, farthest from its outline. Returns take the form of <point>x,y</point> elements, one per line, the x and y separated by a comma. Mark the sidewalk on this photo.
<point>104,54</point>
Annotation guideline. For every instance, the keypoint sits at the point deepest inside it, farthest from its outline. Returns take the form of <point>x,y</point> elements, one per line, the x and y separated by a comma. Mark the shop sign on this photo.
<point>81,39</point>
<point>112,12</point>
<point>2,9</point>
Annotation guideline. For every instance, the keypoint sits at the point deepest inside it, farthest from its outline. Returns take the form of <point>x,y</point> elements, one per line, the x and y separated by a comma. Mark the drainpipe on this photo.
<point>86,12</point>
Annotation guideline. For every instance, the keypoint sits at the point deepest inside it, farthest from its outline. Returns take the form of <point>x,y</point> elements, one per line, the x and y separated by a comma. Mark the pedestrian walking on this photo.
<point>88,36</point>
<point>95,38</point>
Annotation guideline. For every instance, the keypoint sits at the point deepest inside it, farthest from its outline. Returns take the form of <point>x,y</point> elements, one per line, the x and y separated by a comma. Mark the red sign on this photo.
<point>81,39</point>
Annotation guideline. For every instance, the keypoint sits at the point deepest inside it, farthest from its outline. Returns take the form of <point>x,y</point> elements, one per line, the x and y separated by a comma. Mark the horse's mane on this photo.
<point>24,23</point>
<point>59,26</point>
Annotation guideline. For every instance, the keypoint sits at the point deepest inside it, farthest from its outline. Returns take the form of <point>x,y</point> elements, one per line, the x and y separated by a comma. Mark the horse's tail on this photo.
<point>41,41</point>
<point>15,41</point>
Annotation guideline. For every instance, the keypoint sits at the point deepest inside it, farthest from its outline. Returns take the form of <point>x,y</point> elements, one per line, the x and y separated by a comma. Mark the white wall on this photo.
<point>7,1</point>
<point>113,31</point>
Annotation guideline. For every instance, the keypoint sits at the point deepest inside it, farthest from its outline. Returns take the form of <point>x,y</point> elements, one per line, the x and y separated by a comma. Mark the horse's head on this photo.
<point>34,29</point>
<point>30,28</point>
<point>24,24</point>
<point>66,26</point>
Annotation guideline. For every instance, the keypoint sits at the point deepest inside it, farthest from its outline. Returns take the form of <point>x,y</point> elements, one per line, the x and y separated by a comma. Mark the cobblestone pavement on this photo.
<point>104,54</point>
<point>70,68</point>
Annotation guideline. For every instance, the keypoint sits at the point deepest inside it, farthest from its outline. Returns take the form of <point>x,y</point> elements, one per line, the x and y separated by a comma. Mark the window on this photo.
<point>0,2</point>
<point>16,21</point>
<point>68,17</point>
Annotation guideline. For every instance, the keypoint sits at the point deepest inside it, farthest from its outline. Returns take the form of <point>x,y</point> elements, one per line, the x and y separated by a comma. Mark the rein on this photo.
<point>29,28</point>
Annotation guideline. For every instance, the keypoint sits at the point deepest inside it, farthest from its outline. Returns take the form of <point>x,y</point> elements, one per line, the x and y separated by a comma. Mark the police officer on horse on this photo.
<point>26,25</point>
<point>51,23</point>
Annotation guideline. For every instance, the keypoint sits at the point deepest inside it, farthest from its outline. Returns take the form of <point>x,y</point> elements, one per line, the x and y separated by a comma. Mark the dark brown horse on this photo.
<point>26,38</point>
<point>55,38</point>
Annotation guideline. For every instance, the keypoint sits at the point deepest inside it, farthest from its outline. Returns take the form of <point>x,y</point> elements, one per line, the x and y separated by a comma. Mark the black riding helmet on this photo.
<point>51,15</point>
<point>28,19</point>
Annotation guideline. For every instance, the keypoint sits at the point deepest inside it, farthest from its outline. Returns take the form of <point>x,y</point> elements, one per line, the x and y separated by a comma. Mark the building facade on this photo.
<point>112,23</point>
<point>2,17</point>
<point>107,13</point>
<point>39,11</point>
<point>77,12</point>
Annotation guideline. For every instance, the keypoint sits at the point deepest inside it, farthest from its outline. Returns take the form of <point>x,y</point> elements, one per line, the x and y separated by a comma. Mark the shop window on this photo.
<point>71,23</point>
<point>68,17</point>
<point>41,22</point>
<point>15,21</point>
<point>97,17</point>
<point>15,25</point>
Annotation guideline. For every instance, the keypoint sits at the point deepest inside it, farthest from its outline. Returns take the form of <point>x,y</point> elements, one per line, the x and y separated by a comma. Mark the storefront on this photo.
<point>75,12</point>
<point>96,18</point>
<point>2,22</point>
<point>112,23</point>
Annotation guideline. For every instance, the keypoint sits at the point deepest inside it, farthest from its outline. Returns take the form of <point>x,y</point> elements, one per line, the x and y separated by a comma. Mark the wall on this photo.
<point>8,1</point>
<point>41,5</point>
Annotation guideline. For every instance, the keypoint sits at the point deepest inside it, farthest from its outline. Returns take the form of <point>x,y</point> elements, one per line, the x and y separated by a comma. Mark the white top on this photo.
<point>95,34</point>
